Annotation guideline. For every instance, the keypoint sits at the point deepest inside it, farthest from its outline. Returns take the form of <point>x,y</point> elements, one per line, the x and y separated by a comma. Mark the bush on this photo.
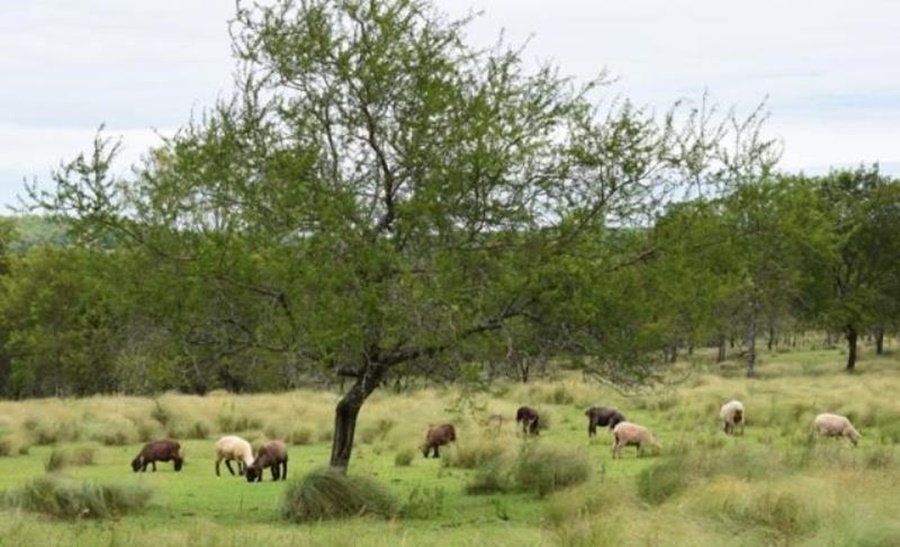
<point>63,498</point>
<point>326,493</point>
<point>544,469</point>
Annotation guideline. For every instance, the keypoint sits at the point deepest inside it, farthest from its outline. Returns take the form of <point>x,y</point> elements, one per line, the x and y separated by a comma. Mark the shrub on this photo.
<point>545,469</point>
<point>326,493</point>
<point>64,498</point>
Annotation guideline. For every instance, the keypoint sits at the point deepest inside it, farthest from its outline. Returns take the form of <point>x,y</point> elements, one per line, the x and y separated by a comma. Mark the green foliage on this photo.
<point>328,494</point>
<point>59,497</point>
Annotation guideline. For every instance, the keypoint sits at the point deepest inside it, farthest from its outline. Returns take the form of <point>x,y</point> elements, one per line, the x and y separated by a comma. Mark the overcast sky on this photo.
<point>829,70</point>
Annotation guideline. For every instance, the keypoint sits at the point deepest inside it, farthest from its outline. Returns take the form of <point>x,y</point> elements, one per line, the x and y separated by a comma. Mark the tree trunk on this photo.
<point>347,412</point>
<point>720,356</point>
<point>752,332</point>
<point>879,340</point>
<point>852,336</point>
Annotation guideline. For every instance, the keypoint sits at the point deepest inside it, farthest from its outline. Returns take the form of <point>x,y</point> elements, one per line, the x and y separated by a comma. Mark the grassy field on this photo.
<point>776,485</point>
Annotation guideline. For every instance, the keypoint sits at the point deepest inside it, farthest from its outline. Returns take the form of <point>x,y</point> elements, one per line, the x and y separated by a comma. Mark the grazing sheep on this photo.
<point>163,450</point>
<point>834,425</point>
<point>602,416</point>
<point>233,448</point>
<point>631,434</point>
<point>437,436</point>
<point>530,419</point>
<point>274,455</point>
<point>732,414</point>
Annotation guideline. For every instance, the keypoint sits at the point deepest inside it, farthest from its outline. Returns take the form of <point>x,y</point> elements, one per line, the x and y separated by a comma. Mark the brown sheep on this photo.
<point>438,436</point>
<point>529,418</point>
<point>602,416</point>
<point>274,455</point>
<point>163,450</point>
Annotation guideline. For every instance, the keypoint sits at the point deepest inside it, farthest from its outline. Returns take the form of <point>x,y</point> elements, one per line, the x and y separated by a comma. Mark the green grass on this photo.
<point>775,485</point>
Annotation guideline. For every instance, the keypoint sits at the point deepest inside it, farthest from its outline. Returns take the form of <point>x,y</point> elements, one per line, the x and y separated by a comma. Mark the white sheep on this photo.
<point>233,448</point>
<point>732,414</point>
<point>834,425</point>
<point>631,434</point>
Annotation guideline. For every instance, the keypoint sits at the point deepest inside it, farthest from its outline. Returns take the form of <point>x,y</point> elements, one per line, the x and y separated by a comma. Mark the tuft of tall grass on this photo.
<point>494,477</point>
<point>424,503</point>
<point>327,493</point>
<point>474,454</point>
<point>377,431</point>
<point>64,498</point>
<point>545,469</point>
<point>404,458</point>
<point>62,457</point>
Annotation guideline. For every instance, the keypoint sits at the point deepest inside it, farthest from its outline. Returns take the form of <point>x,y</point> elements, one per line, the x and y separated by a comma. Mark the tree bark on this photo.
<point>752,333</point>
<point>879,341</point>
<point>720,356</point>
<point>852,337</point>
<point>347,412</point>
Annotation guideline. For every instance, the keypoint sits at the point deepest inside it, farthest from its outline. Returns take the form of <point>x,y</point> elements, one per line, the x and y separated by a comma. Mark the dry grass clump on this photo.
<point>473,453</point>
<point>77,455</point>
<point>543,468</point>
<point>64,498</point>
<point>326,493</point>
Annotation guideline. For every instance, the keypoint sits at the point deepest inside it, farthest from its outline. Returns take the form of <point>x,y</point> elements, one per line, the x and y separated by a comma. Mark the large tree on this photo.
<point>378,193</point>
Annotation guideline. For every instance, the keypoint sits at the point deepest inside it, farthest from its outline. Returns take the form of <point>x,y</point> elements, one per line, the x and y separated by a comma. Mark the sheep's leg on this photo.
<point>284,471</point>
<point>230,469</point>
<point>218,461</point>
<point>153,463</point>
<point>275,471</point>
<point>437,454</point>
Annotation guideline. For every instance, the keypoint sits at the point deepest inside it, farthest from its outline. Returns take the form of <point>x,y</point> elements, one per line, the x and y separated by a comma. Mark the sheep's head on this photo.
<point>253,474</point>
<point>179,463</point>
<point>136,464</point>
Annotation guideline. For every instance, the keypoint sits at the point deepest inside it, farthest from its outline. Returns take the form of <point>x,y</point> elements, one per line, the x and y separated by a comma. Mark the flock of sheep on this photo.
<point>273,454</point>
<point>627,433</point>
